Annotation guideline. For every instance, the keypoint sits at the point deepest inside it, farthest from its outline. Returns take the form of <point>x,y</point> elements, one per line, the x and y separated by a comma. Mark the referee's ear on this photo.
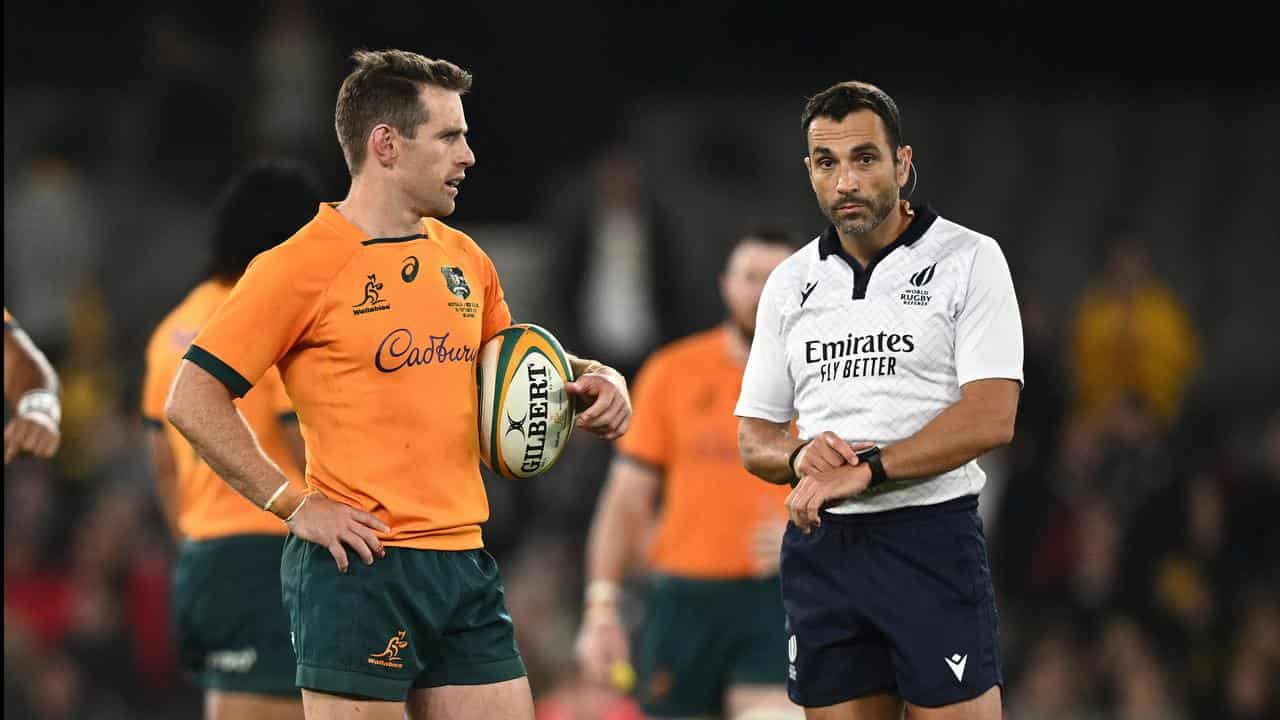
<point>904,165</point>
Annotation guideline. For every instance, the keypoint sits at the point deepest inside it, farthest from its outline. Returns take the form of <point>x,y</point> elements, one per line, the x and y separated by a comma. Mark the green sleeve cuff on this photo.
<point>288,417</point>
<point>227,375</point>
<point>151,423</point>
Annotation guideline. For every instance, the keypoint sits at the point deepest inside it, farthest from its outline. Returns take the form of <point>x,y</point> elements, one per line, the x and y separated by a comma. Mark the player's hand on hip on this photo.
<point>826,452</point>
<point>602,644</point>
<point>814,492</point>
<point>34,433</point>
<point>335,527</point>
<point>608,403</point>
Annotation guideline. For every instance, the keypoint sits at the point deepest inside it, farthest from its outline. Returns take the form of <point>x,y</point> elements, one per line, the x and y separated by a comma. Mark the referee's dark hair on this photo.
<point>843,98</point>
<point>258,209</point>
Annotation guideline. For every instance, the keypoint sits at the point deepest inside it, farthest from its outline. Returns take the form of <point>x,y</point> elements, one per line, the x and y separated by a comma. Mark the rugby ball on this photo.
<point>525,414</point>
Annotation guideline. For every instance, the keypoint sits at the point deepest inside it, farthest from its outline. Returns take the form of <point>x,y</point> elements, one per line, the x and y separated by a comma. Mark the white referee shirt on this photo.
<point>874,354</point>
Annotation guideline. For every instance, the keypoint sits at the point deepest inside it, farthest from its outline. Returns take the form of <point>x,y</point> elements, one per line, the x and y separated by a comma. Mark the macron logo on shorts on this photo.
<point>956,663</point>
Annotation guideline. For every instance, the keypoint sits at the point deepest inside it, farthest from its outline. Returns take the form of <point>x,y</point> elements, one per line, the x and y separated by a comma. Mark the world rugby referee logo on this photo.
<point>923,277</point>
<point>917,295</point>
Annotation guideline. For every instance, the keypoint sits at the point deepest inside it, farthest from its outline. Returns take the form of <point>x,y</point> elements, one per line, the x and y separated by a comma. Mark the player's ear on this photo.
<point>382,144</point>
<point>904,165</point>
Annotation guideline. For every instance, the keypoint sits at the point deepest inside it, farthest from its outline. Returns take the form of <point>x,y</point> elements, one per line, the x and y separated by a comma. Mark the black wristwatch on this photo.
<point>791,462</point>
<point>871,456</point>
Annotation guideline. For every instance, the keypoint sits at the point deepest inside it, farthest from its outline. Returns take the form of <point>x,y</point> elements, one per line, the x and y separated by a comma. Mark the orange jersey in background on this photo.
<point>377,341</point>
<point>207,506</point>
<point>683,425</point>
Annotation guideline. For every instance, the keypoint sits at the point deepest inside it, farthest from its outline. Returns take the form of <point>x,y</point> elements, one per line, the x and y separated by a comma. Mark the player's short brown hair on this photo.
<point>843,98</point>
<point>384,88</point>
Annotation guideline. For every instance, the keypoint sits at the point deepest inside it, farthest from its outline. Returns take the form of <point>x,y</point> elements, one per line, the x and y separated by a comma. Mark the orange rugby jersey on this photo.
<point>207,506</point>
<point>683,425</point>
<point>377,340</point>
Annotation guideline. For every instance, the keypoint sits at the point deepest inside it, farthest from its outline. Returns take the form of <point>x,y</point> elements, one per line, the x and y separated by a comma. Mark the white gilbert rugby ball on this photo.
<point>525,414</point>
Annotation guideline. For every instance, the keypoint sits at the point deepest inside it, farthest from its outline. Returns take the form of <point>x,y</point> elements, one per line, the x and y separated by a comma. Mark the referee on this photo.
<point>894,340</point>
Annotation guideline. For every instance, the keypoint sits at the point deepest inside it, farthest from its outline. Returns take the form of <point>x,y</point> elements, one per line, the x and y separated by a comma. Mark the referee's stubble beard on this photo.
<point>876,207</point>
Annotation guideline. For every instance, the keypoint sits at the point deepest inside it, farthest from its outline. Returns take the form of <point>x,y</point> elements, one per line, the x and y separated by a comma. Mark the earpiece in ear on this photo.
<point>914,177</point>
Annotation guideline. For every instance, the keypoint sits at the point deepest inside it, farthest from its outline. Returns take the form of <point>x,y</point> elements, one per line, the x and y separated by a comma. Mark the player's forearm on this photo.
<point>962,432</point>
<point>609,544</point>
<point>619,525</point>
<point>167,494</point>
<point>25,367</point>
<point>765,449</point>
<point>165,472</point>
<point>200,407</point>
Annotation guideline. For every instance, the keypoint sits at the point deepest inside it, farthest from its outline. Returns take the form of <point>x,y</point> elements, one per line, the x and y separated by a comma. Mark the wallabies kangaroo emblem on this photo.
<point>371,289</point>
<point>394,646</point>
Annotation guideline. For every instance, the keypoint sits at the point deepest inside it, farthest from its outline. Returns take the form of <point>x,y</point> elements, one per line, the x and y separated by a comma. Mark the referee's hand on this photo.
<point>825,453</point>
<point>816,491</point>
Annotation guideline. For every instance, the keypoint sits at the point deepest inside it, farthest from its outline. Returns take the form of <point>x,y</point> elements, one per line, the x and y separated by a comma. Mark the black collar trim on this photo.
<point>406,238</point>
<point>829,243</point>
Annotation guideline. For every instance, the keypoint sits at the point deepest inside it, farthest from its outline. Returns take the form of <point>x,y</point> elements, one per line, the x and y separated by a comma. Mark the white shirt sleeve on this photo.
<point>768,390</point>
<point>989,327</point>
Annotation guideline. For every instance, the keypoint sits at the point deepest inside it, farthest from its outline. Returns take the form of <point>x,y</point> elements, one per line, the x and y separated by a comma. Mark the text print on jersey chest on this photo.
<point>432,318</point>
<point>872,336</point>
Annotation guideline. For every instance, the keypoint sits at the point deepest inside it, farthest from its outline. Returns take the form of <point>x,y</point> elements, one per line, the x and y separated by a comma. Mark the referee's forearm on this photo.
<point>981,421</point>
<point>765,449</point>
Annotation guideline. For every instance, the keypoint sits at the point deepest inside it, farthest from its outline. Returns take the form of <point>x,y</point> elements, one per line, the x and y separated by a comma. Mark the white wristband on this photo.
<point>305,498</point>
<point>41,401</point>
<point>275,496</point>
<point>602,592</point>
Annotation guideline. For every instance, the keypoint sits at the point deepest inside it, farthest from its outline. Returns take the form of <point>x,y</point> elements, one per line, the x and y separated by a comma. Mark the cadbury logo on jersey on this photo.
<point>397,350</point>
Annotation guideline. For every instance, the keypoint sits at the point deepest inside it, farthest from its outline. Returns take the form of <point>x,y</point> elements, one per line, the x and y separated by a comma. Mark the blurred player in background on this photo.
<point>713,641</point>
<point>894,328</point>
<point>31,389</point>
<point>230,621</point>
<point>375,313</point>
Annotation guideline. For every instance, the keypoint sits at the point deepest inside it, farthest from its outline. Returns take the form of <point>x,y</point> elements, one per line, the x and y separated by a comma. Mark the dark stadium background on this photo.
<point>1130,562</point>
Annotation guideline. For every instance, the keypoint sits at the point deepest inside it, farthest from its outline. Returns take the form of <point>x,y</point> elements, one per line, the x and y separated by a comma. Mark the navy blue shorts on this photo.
<point>898,601</point>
